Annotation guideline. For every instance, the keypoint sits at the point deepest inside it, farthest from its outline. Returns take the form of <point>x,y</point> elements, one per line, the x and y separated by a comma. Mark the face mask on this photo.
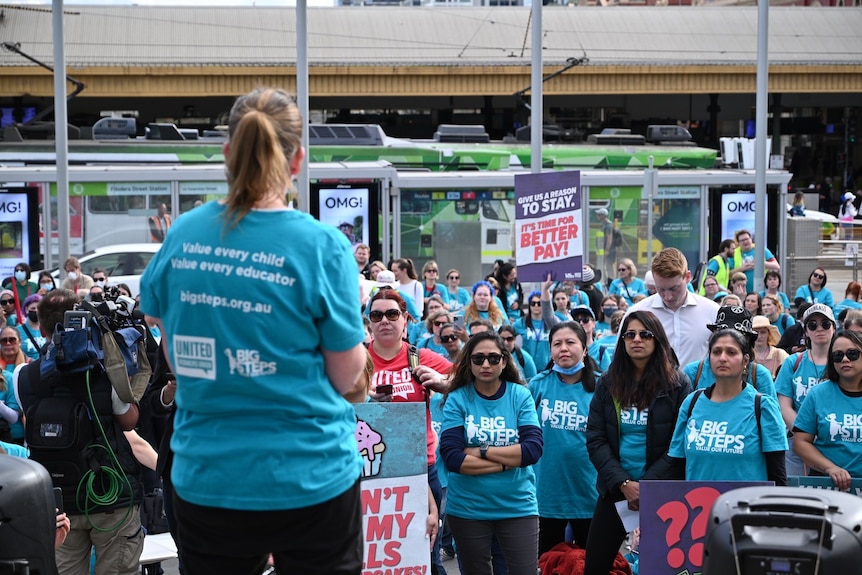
<point>609,311</point>
<point>569,370</point>
<point>100,283</point>
<point>20,276</point>
<point>72,275</point>
<point>48,287</point>
<point>33,316</point>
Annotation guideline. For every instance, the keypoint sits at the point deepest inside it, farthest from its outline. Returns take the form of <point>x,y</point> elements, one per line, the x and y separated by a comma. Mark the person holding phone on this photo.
<point>403,373</point>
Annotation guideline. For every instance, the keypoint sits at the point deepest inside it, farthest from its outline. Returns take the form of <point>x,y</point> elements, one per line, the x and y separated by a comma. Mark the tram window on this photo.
<point>466,207</point>
<point>415,203</point>
<point>191,201</point>
<point>156,201</point>
<point>115,204</point>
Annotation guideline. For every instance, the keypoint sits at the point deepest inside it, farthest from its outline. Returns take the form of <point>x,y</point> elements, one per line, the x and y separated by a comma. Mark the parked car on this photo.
<point>125,263</point>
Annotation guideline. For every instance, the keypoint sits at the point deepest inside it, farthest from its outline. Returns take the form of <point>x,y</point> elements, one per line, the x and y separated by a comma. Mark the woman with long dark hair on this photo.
<point>821,436</point>
<point>630,428</point>
<point>533,332</point>
<point>565,487</point>
<point>511,293</point>
<point>490,439</point>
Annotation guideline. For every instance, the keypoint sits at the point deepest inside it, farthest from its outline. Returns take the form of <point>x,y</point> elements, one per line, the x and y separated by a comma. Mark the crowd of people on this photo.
<point>544,409</point>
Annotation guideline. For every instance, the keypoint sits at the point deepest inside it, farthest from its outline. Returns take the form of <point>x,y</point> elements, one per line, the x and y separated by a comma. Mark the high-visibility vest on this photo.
<point>722,276</point>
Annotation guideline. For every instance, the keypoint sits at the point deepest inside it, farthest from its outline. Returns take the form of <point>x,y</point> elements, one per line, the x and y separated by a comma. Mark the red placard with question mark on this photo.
<point>673,521</point>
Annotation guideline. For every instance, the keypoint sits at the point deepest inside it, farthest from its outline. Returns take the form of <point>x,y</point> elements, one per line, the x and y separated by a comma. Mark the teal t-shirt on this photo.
<point>565,481</point>
<point>534,341</point>
<point>8,397</point>
<point>435,409</point>
<point>721,442</point>
<point>628,292</point>
<point>511,299</point>
<point>785,301</point>
<point>459,300</point>
<point>796,383</point>
<point>764,384</point>
<point>15,450</point>
<point>823,295</point>
<point>749,257</point>
<point>504,495</point>
<point>834,418</point>
<point>633,439</point>
<point>247,312</point>
<point>529,370</point>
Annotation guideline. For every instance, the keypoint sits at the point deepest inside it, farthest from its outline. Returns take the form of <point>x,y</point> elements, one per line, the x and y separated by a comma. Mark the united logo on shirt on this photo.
<point>562,415</point>
<point>712,436</point>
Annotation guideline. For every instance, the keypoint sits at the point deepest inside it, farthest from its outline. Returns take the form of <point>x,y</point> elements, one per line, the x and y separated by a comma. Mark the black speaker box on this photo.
<point>784,531</point>
<point>28,519</point>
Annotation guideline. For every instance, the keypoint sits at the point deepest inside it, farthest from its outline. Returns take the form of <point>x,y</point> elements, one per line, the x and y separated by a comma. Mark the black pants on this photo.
<point>606,535</point>
<point>323,539</point>
<point>553,531</point>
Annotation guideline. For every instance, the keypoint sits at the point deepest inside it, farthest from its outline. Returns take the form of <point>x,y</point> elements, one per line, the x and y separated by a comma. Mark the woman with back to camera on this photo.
<point>851,299</point>
<point>300,276</point>
<point>492,489</point>
<point>565,487</point>
<point>820,437</point>
<point>730,404</point>
<point>630,445</point>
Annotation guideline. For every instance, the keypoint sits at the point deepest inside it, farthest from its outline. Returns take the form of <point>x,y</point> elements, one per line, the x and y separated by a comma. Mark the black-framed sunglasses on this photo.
<point>441,323</point>
<point>536,303</point>
<point>377,316</point>
<point>583,319</point>
<point>448,338</point>
<point>509,339</point>
<point>492,358</point>
<point>824,323</point>
<point>852,355</point>
<point>644,334</point>
<point>817,275</point>
<point>7,301</point>
<point>454,277</point>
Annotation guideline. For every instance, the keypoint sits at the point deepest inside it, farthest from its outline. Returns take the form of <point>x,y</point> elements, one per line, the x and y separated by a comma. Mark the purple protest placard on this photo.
<point>548,226</point>
<point>673,520</point>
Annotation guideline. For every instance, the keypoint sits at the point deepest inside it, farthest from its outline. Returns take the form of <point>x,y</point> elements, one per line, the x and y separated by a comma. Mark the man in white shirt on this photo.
<point>684,315</point>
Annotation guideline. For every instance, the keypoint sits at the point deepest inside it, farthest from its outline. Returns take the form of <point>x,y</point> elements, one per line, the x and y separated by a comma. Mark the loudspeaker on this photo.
<point>783,531</point>
<point>28,520</point>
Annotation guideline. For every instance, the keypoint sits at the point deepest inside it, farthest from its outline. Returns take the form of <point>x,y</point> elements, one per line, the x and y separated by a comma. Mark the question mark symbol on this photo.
<point>677,513</point>
<point>701,498</point>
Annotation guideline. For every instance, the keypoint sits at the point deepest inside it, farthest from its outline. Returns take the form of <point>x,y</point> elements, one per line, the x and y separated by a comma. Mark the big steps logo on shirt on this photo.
<point>712,436</point>
<point>846,428</point>
<point>491,430</point>
<point>562,415</point>
<point>634,416</point>
<point>802,389</point>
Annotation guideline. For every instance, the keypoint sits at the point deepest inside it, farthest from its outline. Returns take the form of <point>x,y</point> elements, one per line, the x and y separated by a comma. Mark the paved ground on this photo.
<point>171,567</point>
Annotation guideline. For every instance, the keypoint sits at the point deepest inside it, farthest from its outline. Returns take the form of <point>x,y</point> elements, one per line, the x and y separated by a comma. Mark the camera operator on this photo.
<point>111,524</point>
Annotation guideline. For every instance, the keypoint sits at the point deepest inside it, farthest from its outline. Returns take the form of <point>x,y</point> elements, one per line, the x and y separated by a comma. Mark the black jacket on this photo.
<point>603,437</point>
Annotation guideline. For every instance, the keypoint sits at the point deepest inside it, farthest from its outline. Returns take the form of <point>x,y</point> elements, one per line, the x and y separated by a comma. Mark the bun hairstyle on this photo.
<point>265,131</point>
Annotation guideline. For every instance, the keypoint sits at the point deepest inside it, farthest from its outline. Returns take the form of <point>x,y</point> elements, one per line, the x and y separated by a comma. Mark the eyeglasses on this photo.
<point>824,323</point>
<point>644,334</point>
<point>493,358</point>
<point>431,271</point>
<point>8,340</point>
<point>852,355</point>
<point>448,338</point>
<point>535,303</point>
<point>509,339</point>
<point>376,316</point>
<point>623,269</point>
<point>817,275</point>
<point>583,319</point>
<point>95,279</point>
<point>441,323</point>
<point>7,301</point>
<point>454,277</point>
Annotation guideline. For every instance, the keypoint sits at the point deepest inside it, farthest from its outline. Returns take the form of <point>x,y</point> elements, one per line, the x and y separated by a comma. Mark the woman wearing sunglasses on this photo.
<point>565,487</point>
<point>458,296</point>
<point>395,380</point>
<point>489,441</point>
<point>803,371</point>
<point>827,430</point>
<point>630,428</point>
<point>434,324</point>
<point>533,331</point>
<point>729,431</point>
<point>815,291</point>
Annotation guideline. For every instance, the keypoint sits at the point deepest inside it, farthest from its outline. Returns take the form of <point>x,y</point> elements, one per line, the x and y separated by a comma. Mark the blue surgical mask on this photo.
<point>47,287</point>
<point>569,370</point>
<point>20,275</point>
<point>608,311</point>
